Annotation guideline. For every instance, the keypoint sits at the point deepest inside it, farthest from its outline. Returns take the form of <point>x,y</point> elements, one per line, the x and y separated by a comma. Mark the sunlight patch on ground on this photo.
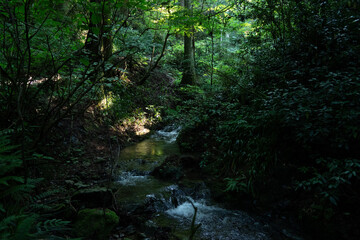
<point>142,131</point>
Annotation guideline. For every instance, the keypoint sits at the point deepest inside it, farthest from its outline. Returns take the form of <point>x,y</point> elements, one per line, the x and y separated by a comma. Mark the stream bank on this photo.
<point>157,192</point>
<point>152,188</point>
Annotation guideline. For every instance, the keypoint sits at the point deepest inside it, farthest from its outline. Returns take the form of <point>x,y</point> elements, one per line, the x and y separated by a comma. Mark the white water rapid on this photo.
<point>169,203</point>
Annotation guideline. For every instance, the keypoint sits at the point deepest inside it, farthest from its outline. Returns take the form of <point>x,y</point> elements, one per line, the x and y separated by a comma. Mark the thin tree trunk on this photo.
<point>152,67</point>
<point>189,61</point>
<point>212,57</point>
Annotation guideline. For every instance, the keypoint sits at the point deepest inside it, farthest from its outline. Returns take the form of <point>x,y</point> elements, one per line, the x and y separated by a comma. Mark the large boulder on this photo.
<point>95,223</point>
<point>92,198</point>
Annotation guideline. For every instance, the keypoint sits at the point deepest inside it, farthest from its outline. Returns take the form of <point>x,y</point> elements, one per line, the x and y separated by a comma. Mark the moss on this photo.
<point>95,223</point>
<point>178,232</point>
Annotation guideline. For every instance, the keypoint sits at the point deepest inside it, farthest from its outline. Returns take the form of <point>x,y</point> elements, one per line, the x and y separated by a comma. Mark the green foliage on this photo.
<point>11,185</point>
<point>95,223</point>
<point>52,227</point>
<point>197,113</point>
<point>20,213</point>
<point>285,90</point>
<point>17,227</point>
<point>236,184</point>
<point>287,97</point>
<point>330,177</point>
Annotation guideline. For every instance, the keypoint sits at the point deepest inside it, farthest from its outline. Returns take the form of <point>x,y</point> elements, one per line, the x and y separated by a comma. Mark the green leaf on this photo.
<point>5,180</point>
<point>95,18</point>
<point>85,61</point>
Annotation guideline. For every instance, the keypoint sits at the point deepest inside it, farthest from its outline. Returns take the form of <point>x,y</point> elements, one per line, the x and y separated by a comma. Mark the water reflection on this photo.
<point>144,156</point>
<point>149,149</point>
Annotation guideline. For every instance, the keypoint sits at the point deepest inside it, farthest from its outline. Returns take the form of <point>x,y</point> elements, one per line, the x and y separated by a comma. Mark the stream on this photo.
<point>171,205</point>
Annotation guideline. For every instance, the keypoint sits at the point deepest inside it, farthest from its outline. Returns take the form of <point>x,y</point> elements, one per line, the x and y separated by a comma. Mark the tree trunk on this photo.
<point>189,61</point>
<point>92,43</point>
<point>106,34</point>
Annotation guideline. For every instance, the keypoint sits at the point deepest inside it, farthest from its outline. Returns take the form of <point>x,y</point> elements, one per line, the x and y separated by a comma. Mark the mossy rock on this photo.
<point>95,223</point>
<point>169,170</point>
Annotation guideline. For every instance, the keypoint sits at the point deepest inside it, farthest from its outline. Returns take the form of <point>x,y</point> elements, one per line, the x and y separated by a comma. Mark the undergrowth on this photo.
<point>24,215</point>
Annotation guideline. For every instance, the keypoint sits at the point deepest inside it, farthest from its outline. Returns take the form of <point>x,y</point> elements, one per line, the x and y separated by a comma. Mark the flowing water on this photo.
<point>137,161</point>
<point>171,205</point>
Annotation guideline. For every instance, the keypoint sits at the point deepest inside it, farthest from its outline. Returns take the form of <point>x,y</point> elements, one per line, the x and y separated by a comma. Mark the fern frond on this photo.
<point>56,225</point>
<point>4,180</point>
<point>5,145</point>
<point>19,226</point>
<point>8,226</point>
<point>37,207</point>
<point>51,227</point>
<point>20,191</point>
<point>5,169</point>
<point>42,202</point>
<point>4,148</point>
<point>4,140</point>
<point>10,220</point>
<point>44,195</point>
<point>8,160</point>
<point>24,228</point>
<point>6,131</point>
